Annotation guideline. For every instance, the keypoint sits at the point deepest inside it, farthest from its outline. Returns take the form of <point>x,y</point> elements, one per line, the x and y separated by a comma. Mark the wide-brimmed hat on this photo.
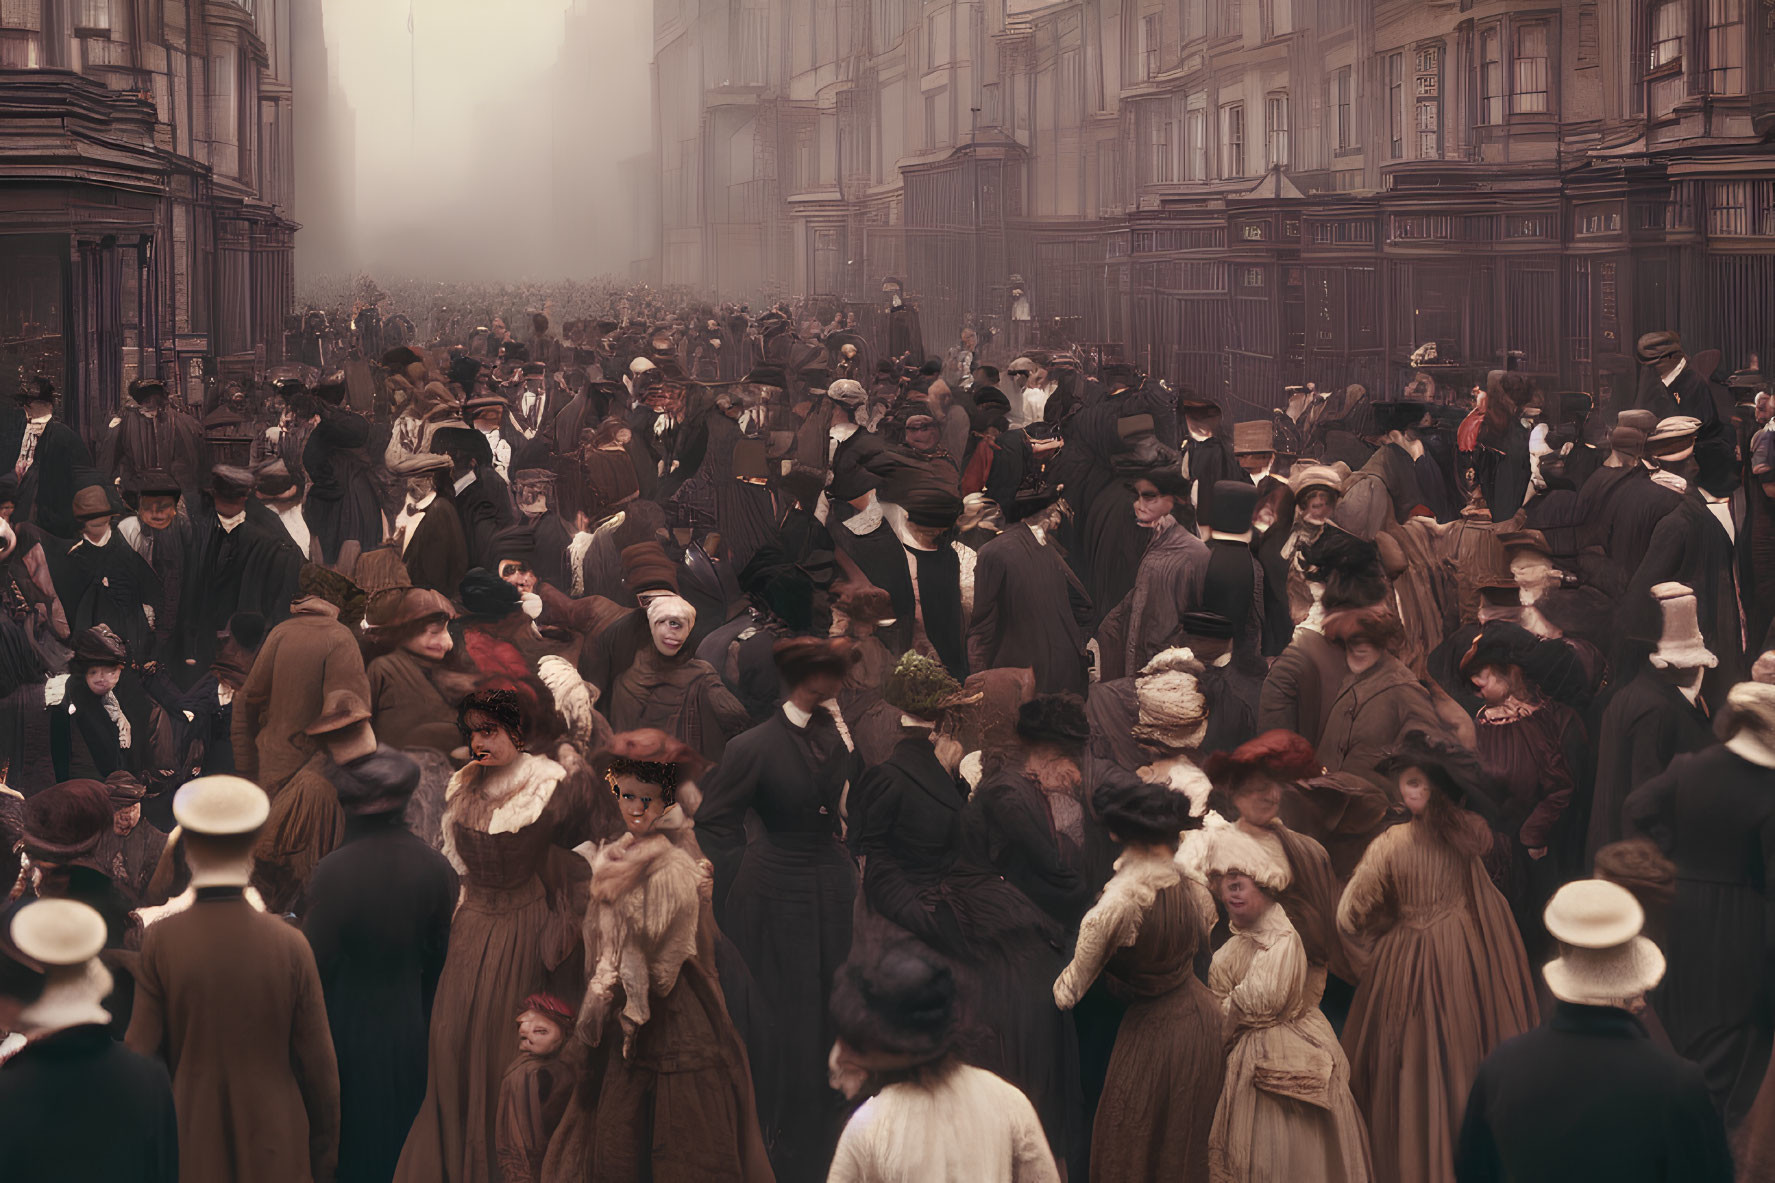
<point>1451,769</point>
<point>487,596</point>
<point>1397,416</point>
<point>221,806</point>
<point>231,481</point>
<point>98,645</point>
<point>92,502</point>
<point>919,686</point>
<point>1173,711</point>
<point>1603,961</point>
<point>899,1011</point>
<point>1499,645</point>
<point>340,709</point>
<point>1055,719</point>
<point>1680,646</point>
<point>801,658</point>
<point>124,788</point>
<point>1278,754</point>
<point>66,821</point>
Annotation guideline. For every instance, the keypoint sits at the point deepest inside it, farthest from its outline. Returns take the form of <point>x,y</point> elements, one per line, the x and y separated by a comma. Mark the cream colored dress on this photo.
<point>1285,1114</point>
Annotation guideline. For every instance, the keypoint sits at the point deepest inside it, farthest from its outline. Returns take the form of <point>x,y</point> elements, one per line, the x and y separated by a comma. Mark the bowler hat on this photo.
<point>92,502</point>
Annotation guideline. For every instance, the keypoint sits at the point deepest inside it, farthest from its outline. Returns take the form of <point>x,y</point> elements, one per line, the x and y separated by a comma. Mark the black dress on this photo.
<point>1713,812</point>
<point>378,919</point>
<point>80,1105</point>
<point>785,901</point>
<point>906,822</point>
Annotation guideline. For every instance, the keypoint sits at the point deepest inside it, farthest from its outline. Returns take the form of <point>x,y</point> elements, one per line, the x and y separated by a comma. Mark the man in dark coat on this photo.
<point>427,528</point>
<point>48,464</point>
<point>234,565</point>
<point>482,500</point>
<point>905,335</point>
<point>72,1072</point>
<point>378,919</point>
<point>1207,456</point>
<point>162,536</point>
<point>149,435</point>
<point>1029,607</point>
<point>1589,1095</point>
<point>1232,582</point>
<point>1653,719</point>
<point>1670,386</point>
<point>344,503</point>
<point>1167,584</point>
<point>101,579</point>
<point>1385,489</point>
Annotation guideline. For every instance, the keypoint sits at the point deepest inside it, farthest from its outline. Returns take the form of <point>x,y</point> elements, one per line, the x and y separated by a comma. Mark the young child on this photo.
<point>534,1093</point>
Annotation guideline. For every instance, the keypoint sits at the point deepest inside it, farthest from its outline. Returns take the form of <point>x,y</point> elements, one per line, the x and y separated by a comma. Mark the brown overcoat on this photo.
<point>229,998</point>
<point>304,659</point>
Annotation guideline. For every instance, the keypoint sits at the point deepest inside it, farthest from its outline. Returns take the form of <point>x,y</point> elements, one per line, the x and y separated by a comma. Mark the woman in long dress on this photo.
<point>1256,778</point>
<point>1142,935</point>
<point>515,928</point>
<point>1286,1114</point>
<point>663,1090</point>
<point>1448,980</point>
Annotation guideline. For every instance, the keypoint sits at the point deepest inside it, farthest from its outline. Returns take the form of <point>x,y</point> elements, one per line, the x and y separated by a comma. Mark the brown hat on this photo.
<point>1375,624</point>
<point>1254,437</point>
<point>1642,420</point>
<point>98,645</point>
<point>646,567</point>
<point>869,605</point>
<point>801,658</point>
<point>92,502</point>
<point>1674,437</point>
<point>417,463</point>
<point>405,606</point>
<point>1657,346</point>
<point>124,788</point>
<point>276,483</point>
<point>231,480</point>
<point>1629,441</point>
<point>66,821</point>
<point>339,710</point>
<point>472,408</point>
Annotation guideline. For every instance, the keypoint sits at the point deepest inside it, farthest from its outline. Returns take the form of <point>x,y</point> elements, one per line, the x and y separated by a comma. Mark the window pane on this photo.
<point>1530,90</point>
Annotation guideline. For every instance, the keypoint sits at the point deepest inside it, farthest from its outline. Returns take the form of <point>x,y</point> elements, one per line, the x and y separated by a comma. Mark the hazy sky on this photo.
<point>469,162</point>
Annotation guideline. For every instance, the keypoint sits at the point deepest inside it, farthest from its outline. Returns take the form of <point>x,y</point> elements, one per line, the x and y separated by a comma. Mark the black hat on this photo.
<point>1168,481</point>
<point>1120,374</point>
<point>380,782</point>
<point>41,390</point>
<point>157,483</point>
<point>98,645</point>
<point>990,373</point>
<point>1207,625</point>
<point>449,441</point>
<point>1234,503</point>
<point>931,505</point>
<point>1452,769</point>
<point>800,658</point>
<point>899,1011</point>
<point>488,596</point>
<point>1348,566</point>
<point>1140,811</point>
<point>1056,719</point>
<point>1397,416</point>
<point>535,369</point>
<point>513,542</point>
<point>1029,502</point>
<point>146,388</point>
<point>1499,644</point>
<point>232,481</point>
<point>767,376</point>
<point>991,396</point>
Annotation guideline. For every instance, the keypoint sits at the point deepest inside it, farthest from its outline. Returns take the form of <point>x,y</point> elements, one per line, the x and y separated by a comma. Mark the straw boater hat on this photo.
<point>1254,437</point>
<point>1681,645</point>
<point>1603,961</point>
<point>57,933</point>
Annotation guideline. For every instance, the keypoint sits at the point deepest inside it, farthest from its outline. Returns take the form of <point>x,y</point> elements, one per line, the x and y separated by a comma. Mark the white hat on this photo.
<point>221,806</point>
<point>58,932</point>
<point>1681,646</point>
<point>1673,438</point>
<point>640,366</point>
<point>1221,848</point>
<point>1603,960</point>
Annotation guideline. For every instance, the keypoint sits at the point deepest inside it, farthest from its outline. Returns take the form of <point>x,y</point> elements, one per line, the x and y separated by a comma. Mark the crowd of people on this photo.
<point>708,744</point>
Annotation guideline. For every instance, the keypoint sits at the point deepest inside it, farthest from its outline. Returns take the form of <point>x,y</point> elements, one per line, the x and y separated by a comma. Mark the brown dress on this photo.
<point>675,1103</point>
<point>410,705</point>
<point>514,933</point>
<point>304,827</point>
<point>1448,982</point>
<point>1165,1073</point>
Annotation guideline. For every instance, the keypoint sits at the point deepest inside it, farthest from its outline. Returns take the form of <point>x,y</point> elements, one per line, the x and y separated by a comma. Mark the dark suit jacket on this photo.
<point>1589,1096</point>
<point>437,555</point>
<point>484,507</point>
<point>46,494</point>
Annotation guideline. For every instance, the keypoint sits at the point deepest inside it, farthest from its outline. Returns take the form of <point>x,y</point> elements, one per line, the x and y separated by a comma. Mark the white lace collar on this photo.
<point>866,519</point>
<point>522,790</point>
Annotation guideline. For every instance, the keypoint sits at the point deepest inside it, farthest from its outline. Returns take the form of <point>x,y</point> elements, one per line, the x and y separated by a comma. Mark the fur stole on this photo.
<point>521,789</point>
<point>640,928</point>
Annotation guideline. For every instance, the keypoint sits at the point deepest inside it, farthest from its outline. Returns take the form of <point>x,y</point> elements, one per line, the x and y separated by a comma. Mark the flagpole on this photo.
<point>412,77</point>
